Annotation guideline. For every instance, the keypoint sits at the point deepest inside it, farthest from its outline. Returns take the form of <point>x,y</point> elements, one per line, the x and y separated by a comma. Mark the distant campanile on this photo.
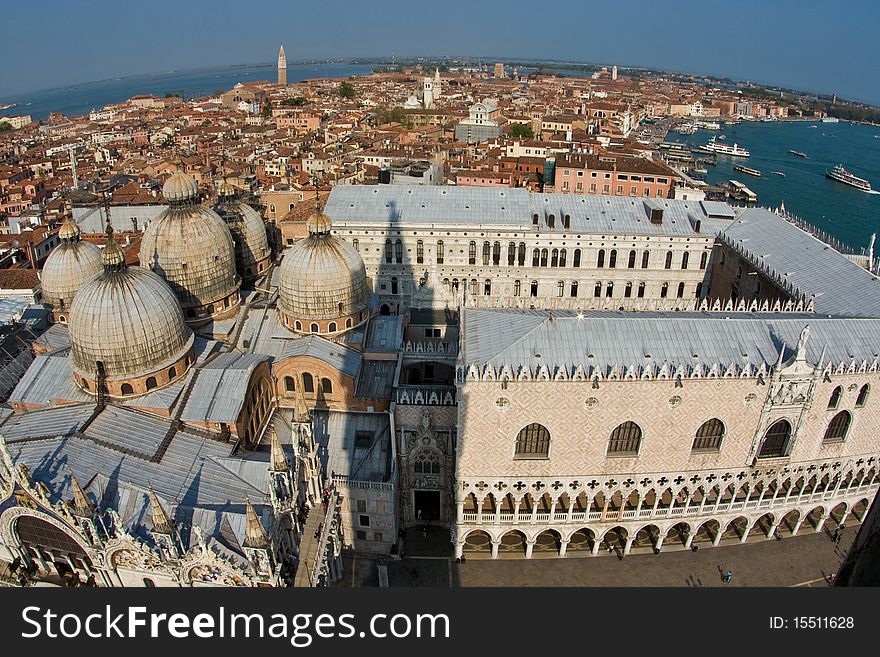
<point>282,67</point>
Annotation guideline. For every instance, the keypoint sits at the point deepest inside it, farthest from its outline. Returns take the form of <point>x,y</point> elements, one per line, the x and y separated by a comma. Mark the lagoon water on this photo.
<point>82,98</point>
<point>847,213</point>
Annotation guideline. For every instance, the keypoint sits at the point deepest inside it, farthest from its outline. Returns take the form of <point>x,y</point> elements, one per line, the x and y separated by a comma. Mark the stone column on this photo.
<point>745,535</point>
<point>595,549</point>
<point>495,545</point>
<point>459,549</point>
<point>690,538</point>
<point>563,547</point>
<point>460,512</point>
<point>717,538</point>
<point>570,509</point>
<point>628,545</point>
<point>821,522</point>
<point>530,547</point>
<point>773,528</point>
<point>658,544</point>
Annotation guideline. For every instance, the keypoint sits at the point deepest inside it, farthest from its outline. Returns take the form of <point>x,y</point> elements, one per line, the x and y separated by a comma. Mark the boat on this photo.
<point>724,149</point>
<point>751,172</point>
<point>779,173</point>
<point>840,174</point>
<point>798,153</point>
<point>830,119</point>
<point>814,126</point>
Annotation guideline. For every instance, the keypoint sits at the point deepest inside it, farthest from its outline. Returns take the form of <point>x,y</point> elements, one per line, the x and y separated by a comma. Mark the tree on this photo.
<point>346,90</point>
<point>297,101</point>
<point>172,94</point>
<point>5,126</point>
<point>521,131</point>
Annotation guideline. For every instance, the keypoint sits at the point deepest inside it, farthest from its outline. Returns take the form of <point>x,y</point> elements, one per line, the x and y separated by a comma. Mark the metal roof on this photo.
<point>219,391</point>
<point>534,338</point>
<point>339,357</point>
<point>840,286</point>
<point>392,205</point>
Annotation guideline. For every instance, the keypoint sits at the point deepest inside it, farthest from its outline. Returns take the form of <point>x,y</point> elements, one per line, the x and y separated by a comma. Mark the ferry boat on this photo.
<point>779,173</point>
<point>724,149</point>
<point>840,174</point>
<point>751,172</point>
<point>797,153</point>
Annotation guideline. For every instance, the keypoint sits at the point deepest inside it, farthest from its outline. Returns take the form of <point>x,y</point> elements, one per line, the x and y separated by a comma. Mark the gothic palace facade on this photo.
<point>538,373</point>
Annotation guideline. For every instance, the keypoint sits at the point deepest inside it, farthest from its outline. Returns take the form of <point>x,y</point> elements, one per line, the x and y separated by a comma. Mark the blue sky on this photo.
<point>813,45</point>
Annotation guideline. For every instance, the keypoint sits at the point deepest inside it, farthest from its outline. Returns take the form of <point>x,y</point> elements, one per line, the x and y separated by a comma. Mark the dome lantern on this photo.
<point>180,189</point>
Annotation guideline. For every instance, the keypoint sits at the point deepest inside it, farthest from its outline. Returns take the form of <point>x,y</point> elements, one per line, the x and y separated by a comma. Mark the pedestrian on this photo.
<point>726,576</point>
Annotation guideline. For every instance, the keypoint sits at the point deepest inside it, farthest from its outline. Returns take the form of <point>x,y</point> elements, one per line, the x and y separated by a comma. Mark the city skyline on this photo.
<point>761,52</point>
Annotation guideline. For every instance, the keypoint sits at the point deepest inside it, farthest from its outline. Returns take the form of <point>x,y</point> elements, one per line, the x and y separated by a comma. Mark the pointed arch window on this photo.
<point>486,252</point>
<point>440,252</point>
<point>576,262</point>
<point>704,257</point>
<point>517,288</point>
<point>668,264</point>
<point>533,442</point>
<point>600,259</point>
<point>709,435</point>
<point>472,253</point>
<point>562,257</point>
<point>625,440</point>
<point>612,259</point>
<point>684,259</point>
<point>308,383</point>
<point>775,443</point>
<point>632,260</point>
<point>834,400</point>
<point>838,428</point>
<point>863,396</point>
<point>420,252</point>
<point>511,254</point>
<point>521,254</point>
<point>645,256</point>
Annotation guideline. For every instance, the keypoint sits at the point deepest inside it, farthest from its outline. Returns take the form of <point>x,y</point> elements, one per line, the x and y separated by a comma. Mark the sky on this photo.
<point>822,46</point>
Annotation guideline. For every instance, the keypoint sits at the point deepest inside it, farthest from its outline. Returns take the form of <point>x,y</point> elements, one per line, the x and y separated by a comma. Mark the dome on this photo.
<point>322,278</point>
<point>128,319</point>
<point>192,249</point>
<point>252,251</point>
<point>69,265</point>
<point>180,188</point>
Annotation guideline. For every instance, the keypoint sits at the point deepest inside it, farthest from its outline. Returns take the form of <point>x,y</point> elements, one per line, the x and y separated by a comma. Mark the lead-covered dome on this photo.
<point>323,286</point>
<point>129,321</point>
<point>71,264</point>
<point>180,187</point>
<point>190,247</point>
<point>252,253</point>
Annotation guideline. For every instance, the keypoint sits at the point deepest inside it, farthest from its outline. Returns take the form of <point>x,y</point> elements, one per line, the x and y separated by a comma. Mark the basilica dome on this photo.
<point>323,286</point>
<point>190,247</point>
<point>127,319</point>
<point>70,265</point>
<point>180,187</point>
<point>252,252</point>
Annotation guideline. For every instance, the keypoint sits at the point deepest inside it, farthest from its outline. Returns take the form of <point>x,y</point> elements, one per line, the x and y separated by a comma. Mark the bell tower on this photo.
<point>282,68</point>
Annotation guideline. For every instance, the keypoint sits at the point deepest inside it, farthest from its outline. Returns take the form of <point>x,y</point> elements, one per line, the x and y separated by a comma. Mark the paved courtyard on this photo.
<point>805,560</point>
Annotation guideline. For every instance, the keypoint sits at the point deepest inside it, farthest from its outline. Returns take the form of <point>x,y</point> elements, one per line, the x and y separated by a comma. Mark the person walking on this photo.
<point>726,576</point>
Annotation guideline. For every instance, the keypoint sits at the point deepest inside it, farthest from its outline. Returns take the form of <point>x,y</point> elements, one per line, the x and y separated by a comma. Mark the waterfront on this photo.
<point>81,98</point>
<point>847,213</point>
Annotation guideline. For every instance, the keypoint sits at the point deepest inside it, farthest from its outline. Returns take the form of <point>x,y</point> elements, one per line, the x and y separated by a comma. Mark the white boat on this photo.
<point>830,119</point>
<point>724,149</point>
<point>840,174</point>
